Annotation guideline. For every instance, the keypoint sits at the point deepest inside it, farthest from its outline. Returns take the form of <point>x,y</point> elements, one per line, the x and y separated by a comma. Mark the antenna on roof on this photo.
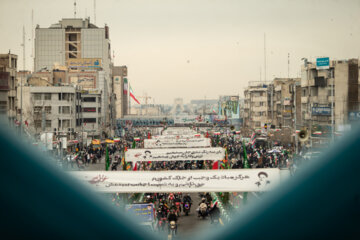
<point>75,9</point>
<point>95,12</point>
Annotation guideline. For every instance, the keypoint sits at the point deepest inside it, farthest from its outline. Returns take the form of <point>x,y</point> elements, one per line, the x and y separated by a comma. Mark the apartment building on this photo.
<point>257,103</point>
<point>329,93</point>
<point>8,87</point>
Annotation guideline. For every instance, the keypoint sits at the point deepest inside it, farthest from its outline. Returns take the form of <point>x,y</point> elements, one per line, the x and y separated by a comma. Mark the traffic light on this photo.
<point>265,125</point>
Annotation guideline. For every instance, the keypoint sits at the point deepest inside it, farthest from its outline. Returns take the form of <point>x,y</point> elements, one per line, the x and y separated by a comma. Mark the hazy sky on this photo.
<point>197,48</point>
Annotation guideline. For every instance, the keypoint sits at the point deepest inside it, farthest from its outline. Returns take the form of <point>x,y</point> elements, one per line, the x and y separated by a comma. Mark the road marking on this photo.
<point>221,222</point>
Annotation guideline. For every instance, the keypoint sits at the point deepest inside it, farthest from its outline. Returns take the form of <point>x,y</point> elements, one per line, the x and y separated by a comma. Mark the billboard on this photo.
<point>90,63</point>
<point>85,81</point>
<point>322,63</point>
<point>229,106</point>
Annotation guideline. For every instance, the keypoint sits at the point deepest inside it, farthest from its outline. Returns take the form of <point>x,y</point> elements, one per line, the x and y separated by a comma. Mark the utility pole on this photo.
<point>288,65</point>
<point>32,38</point>
<point>95,12</point>
<point>265,56</point>
<point>21,83</point>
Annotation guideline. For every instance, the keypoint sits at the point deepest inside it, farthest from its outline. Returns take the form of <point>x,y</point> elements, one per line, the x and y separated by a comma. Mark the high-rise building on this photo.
<point>85,50</point>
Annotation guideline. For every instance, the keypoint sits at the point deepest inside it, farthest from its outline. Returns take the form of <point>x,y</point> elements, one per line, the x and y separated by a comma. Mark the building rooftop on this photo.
<point>72,23</point>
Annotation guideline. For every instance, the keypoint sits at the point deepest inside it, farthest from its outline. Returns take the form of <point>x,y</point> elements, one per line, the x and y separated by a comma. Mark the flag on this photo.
<point>125,86</point>
<point>252,140</point>
<point>135,167</point>
<point>107,159</point>
<point>133,144</point>
<point>246,163</point>
<point>214,202</point>
<point>133,96</point>
<point>128,166</point>
<point>215,166</point>
<point>222,164</point>
<point>149,135</point>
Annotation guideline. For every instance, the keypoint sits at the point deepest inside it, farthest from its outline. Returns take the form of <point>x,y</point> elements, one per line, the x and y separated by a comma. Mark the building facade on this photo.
<point>85,50</point>
<point>8,87</point>
<point>329,94</point>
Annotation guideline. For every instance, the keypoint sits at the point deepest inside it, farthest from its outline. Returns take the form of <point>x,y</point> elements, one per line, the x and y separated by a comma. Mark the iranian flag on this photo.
<point>133,96</point>
<point>125,86</point>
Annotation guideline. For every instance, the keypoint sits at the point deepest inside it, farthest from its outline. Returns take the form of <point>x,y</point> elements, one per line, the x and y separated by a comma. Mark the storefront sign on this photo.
<point>84,63</point>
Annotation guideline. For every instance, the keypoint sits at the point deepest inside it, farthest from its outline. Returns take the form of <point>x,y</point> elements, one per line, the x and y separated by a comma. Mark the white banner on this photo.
<point>177,143</point>
<point>179,132</point>
<point>175,154</point>
<point>234,180</point>
<point>178,136</point>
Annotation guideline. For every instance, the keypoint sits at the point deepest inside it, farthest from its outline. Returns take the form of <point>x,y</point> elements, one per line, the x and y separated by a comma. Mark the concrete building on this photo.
<point>90,113</point>
<point>121,96</point>
<point>257,105</point>
<point>283,102</point>
<point>8,87</point>
<point>51,109</point>
<point>328,94</point>
<point>63,109</point>
<point>84,49</point>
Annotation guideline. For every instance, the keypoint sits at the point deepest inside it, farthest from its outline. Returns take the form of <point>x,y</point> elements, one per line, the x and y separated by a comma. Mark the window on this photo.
<point>89,99</point>
<point>89,109</point>
<point>66,123</point>
<point>64,96</point>
<point>37,96</point>
<point>262,104</point>
<point>99,109</point>
<point>37,109</point>
<point>48,109</point>
<point>37,124</point>
<point>48,123</point>
<point>78,109</point>
<point>47,96</point>
<point>66,110</point>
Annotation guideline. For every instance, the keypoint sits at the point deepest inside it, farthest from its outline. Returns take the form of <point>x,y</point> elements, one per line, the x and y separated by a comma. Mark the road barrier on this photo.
<point>221,207</point>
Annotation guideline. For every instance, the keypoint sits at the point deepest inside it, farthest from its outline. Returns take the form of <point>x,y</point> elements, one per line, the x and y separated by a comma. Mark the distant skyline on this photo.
<point>199,48</point>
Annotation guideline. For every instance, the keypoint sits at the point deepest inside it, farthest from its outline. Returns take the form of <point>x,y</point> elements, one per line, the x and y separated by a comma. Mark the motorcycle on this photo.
<point>178,209</point>
<point>186,208</point>
<point>172,228</point>
<point>203,211</point>
<point>161,224</point>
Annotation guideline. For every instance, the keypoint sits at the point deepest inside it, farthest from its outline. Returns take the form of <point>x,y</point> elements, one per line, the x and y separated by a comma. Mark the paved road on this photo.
<point>189,225</point>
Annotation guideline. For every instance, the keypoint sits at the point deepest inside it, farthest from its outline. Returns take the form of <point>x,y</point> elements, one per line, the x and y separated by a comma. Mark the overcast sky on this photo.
<point>200,48</point>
